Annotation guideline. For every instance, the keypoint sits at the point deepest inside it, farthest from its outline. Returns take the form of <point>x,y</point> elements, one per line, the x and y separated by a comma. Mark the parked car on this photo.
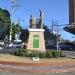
<point>1,44</point>
<point>65,47</point>
<point>15,45</point>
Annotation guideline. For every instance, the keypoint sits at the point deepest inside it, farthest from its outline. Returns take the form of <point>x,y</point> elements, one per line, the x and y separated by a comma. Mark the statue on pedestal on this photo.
<point>41,19</point>
<point>32,22</point>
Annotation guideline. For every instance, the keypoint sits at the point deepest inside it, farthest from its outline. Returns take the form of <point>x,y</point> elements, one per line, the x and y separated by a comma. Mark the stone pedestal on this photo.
<point>36,40</point>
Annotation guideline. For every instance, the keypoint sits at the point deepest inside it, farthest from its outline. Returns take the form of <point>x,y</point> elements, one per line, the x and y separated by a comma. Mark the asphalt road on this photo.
<point>11,73</point>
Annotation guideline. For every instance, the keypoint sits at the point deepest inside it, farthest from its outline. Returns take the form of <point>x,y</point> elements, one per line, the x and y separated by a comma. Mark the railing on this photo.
<point>8,51</point>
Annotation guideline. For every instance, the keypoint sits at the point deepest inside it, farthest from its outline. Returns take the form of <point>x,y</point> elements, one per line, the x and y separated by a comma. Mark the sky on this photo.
<point>56,10</point>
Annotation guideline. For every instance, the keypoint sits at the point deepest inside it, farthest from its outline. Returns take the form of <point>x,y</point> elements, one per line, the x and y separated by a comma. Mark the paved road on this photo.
<point>11,73</point>
<point>33,70</point>
<point>8,69</point>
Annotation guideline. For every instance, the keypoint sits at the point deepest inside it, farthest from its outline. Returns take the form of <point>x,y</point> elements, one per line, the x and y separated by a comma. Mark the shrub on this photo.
<point>21,52</point>
<point>34,54</point>
<point>56,54</point>
<point>42,55</point>
<point>62,54</point>
<point>17,52</point>
<point>49,54</point>
<point>29,55</point>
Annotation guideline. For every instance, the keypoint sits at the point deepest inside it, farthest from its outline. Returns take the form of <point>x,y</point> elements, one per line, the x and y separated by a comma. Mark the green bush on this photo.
<point>21,52</point>
<point>34,54</point>
<point>62,54</point>
<point>56,54</point>
<point>42,55</point>
<point>29,55</point>
<point>16,53</point>
<point>49,54</point>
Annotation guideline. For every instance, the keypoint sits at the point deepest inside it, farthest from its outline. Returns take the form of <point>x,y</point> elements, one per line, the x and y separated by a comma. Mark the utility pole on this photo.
<point>19,31</point>
<point>55,30</point>
<point>52,27</point>
<point>58,37</point>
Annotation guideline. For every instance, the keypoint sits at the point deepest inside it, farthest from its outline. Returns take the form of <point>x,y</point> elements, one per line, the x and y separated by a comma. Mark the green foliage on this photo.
<point>5,20</point>
<point>35,54</point>
<point>21,52</point>
<point>56,54</point>
<point>42,55</point>
<point>24,35</point>
<point>62,54</point>
<point>49,54</point>
<point>13,31</point>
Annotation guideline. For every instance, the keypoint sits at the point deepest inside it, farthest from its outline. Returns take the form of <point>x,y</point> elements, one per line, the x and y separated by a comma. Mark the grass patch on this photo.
<point>7,57</point>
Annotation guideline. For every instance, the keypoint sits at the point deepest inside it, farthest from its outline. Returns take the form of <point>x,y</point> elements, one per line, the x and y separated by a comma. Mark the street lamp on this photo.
<point>13,2</point>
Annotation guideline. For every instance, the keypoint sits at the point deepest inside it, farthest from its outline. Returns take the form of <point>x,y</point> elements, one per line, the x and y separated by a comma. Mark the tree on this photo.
<point>24,35</point>
<point>5,21</point>
<point>16,29</point>
<point>13,31</point>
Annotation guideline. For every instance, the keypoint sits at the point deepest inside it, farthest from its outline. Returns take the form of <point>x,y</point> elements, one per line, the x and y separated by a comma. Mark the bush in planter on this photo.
<point>49,54</point>
<point>42,55</point>
<point>56,54</point>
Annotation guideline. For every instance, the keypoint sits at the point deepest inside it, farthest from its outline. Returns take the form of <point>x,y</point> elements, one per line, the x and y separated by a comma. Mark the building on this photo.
<point>71,11</point>
<point>71,27</point>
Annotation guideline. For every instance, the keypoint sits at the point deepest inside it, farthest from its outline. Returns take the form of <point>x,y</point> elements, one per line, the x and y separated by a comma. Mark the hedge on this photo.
<point>47,54</point>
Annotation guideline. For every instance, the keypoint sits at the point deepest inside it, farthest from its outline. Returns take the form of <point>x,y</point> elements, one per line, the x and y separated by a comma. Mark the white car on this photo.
<point>1,45</point>
<point>15,45</point>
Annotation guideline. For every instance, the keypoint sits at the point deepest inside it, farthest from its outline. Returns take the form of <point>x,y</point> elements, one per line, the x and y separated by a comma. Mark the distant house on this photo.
<point>50,39</point>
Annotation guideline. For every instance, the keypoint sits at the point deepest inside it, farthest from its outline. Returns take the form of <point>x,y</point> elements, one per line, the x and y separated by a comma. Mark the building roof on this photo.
<point>70,28</point>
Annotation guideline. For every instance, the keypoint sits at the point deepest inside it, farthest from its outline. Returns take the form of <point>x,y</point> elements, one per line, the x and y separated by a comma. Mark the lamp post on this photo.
<point>13,5</point>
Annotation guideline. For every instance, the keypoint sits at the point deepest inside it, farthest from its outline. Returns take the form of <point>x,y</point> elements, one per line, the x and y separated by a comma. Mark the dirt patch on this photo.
<point>11,58</point>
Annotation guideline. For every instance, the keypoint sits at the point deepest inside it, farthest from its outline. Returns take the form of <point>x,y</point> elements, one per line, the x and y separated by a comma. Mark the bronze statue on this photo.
<point>32,22</point>
<point>41,19</point>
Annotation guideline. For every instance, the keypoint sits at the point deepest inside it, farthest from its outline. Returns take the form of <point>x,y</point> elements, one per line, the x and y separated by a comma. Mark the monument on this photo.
<point>36,36</point>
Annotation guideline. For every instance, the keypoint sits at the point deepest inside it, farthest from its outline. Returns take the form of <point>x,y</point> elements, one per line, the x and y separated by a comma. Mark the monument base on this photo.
<point>36,40</point>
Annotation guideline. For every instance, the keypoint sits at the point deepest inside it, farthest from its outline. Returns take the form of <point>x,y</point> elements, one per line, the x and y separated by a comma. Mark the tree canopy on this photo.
<point>5,21</point>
